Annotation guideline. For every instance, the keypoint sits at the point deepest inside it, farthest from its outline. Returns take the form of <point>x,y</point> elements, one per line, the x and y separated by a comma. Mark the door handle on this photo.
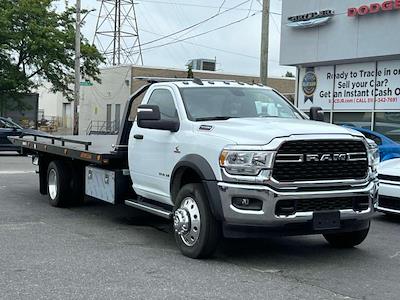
<point>138,136</point>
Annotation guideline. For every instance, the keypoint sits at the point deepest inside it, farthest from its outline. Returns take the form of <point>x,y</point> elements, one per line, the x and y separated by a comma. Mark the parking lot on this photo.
<point>98,251</point>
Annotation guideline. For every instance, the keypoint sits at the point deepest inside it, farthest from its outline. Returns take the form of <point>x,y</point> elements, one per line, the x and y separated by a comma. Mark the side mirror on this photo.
<point>149,117</point>
<point>316,114</point>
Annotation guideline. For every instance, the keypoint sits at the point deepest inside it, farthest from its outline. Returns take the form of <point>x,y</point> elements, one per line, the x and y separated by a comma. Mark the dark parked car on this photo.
<point>388,148</point>
<point>10,128</point>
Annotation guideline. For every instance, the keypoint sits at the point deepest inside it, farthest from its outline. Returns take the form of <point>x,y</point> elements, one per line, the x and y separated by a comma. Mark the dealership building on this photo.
<point>347,55</point>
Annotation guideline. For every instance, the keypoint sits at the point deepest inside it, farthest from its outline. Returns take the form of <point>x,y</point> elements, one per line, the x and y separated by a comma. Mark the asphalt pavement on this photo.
<point>98,251</point>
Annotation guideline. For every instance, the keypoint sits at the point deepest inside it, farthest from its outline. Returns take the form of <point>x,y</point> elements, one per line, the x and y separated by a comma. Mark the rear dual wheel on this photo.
<point>64,184</point>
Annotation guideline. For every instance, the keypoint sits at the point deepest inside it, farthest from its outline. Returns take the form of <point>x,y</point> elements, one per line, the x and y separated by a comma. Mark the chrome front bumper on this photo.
<point>270,196</point>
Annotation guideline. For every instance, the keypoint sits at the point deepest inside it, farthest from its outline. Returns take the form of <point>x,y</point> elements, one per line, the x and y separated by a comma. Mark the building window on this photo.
<point>354,119</point>
<point>388,123</point>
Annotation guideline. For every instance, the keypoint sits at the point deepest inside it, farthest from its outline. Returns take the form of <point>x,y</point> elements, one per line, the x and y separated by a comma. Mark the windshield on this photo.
<point>221,103</point>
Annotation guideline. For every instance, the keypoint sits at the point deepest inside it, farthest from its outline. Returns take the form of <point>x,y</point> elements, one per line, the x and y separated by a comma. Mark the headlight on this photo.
<point>246,162</point>
<point>373,155</point>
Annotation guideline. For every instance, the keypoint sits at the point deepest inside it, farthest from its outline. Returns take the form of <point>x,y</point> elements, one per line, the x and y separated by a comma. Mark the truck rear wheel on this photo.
<point>347,239</point>
<point>197,232</point>
<point>58,183</point>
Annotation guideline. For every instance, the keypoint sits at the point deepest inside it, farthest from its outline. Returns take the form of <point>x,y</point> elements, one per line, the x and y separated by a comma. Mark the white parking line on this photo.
<point>395,255</point>
<point>15,172</point>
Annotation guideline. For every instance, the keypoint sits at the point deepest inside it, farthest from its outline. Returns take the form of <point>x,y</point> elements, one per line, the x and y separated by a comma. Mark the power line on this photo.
<point>208,47</point>
<point>222,4</point>
<point>251,6</point>
<point>216,49</point>
<point>196,24</point>
<point>190,4</point>
<point>200,34</point>
<point>219,9</point>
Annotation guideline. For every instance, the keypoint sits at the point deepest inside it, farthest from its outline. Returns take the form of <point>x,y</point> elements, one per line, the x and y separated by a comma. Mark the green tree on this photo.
<point>36,41</point>
<point>190,71</point>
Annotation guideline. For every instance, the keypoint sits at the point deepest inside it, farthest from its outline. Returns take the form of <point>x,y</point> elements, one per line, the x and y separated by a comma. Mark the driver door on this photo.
<point>152,151</point>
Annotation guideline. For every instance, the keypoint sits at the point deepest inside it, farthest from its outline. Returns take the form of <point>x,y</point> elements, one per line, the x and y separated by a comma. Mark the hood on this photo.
<point>261,131</point>
<point>390,167</point>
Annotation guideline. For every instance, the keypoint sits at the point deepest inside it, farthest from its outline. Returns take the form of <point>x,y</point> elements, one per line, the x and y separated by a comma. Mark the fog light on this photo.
<point>247,203</point>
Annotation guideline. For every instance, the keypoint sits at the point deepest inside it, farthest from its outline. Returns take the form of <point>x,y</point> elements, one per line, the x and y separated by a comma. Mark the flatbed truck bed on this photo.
<point>93,166</point>
<point>95,149</point>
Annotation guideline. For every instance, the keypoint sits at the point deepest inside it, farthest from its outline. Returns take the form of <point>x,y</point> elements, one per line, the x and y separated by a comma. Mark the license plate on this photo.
<point>326,220</point>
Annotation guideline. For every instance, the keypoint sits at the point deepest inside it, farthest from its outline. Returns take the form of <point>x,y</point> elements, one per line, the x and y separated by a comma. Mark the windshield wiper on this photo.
<point>216,118</point>
<point>266,116</point>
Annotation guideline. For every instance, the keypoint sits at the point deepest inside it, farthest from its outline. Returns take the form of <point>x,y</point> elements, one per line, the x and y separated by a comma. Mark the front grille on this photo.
<point>389,177</point>
<point>289,207</point>
<point>389,202</point>
<point>320,170</point>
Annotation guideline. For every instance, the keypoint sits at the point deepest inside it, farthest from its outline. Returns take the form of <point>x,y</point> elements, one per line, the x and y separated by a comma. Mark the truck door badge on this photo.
<point>177,150</point>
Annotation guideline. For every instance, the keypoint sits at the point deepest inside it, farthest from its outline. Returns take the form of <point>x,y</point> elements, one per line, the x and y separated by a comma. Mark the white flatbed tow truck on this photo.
<point>219,158</point>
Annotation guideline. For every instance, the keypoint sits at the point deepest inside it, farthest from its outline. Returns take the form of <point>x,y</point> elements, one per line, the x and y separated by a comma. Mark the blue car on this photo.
<point>388,148</point>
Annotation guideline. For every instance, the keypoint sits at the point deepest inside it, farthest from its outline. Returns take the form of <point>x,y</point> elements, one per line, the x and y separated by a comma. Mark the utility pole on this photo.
<point>264,42</point>
<point>77,66</point>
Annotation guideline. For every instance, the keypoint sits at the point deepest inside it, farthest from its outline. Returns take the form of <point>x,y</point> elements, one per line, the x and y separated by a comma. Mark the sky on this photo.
<point>236,47</point>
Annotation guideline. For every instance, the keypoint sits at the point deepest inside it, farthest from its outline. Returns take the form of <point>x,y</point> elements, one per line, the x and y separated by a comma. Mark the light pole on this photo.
<point>77,67</point>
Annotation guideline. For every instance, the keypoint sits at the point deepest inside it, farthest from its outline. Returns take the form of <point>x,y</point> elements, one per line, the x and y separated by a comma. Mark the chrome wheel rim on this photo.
<point>52,183</point>
<point>187,221</point>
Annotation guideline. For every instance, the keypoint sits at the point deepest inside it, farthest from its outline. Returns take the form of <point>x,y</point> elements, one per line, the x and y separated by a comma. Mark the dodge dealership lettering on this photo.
<point>373,8</point>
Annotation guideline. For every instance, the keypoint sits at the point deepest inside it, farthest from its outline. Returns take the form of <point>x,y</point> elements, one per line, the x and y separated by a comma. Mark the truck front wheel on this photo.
<point>197,232</point>
<point>347,239</point>
<point>58,183</point>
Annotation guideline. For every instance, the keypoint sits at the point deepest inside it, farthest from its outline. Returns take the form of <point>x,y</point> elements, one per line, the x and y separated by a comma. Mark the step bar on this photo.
<point>150,208</point>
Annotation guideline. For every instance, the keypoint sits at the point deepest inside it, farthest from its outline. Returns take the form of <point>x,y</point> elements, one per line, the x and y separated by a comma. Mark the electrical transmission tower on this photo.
<point>117,33</point>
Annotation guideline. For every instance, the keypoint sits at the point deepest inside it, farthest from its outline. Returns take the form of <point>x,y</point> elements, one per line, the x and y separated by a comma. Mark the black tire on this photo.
<point>210,228</point>
<point>347,239</point>
<point>62,194</point>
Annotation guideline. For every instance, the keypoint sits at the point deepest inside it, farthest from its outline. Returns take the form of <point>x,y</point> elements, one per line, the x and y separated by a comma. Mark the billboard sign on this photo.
<point>361,86</point>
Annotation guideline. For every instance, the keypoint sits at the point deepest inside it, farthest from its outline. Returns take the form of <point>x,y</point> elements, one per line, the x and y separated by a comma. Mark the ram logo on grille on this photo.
<point>288,158</point>
<point>316,160</point>
<point>335,157</point>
